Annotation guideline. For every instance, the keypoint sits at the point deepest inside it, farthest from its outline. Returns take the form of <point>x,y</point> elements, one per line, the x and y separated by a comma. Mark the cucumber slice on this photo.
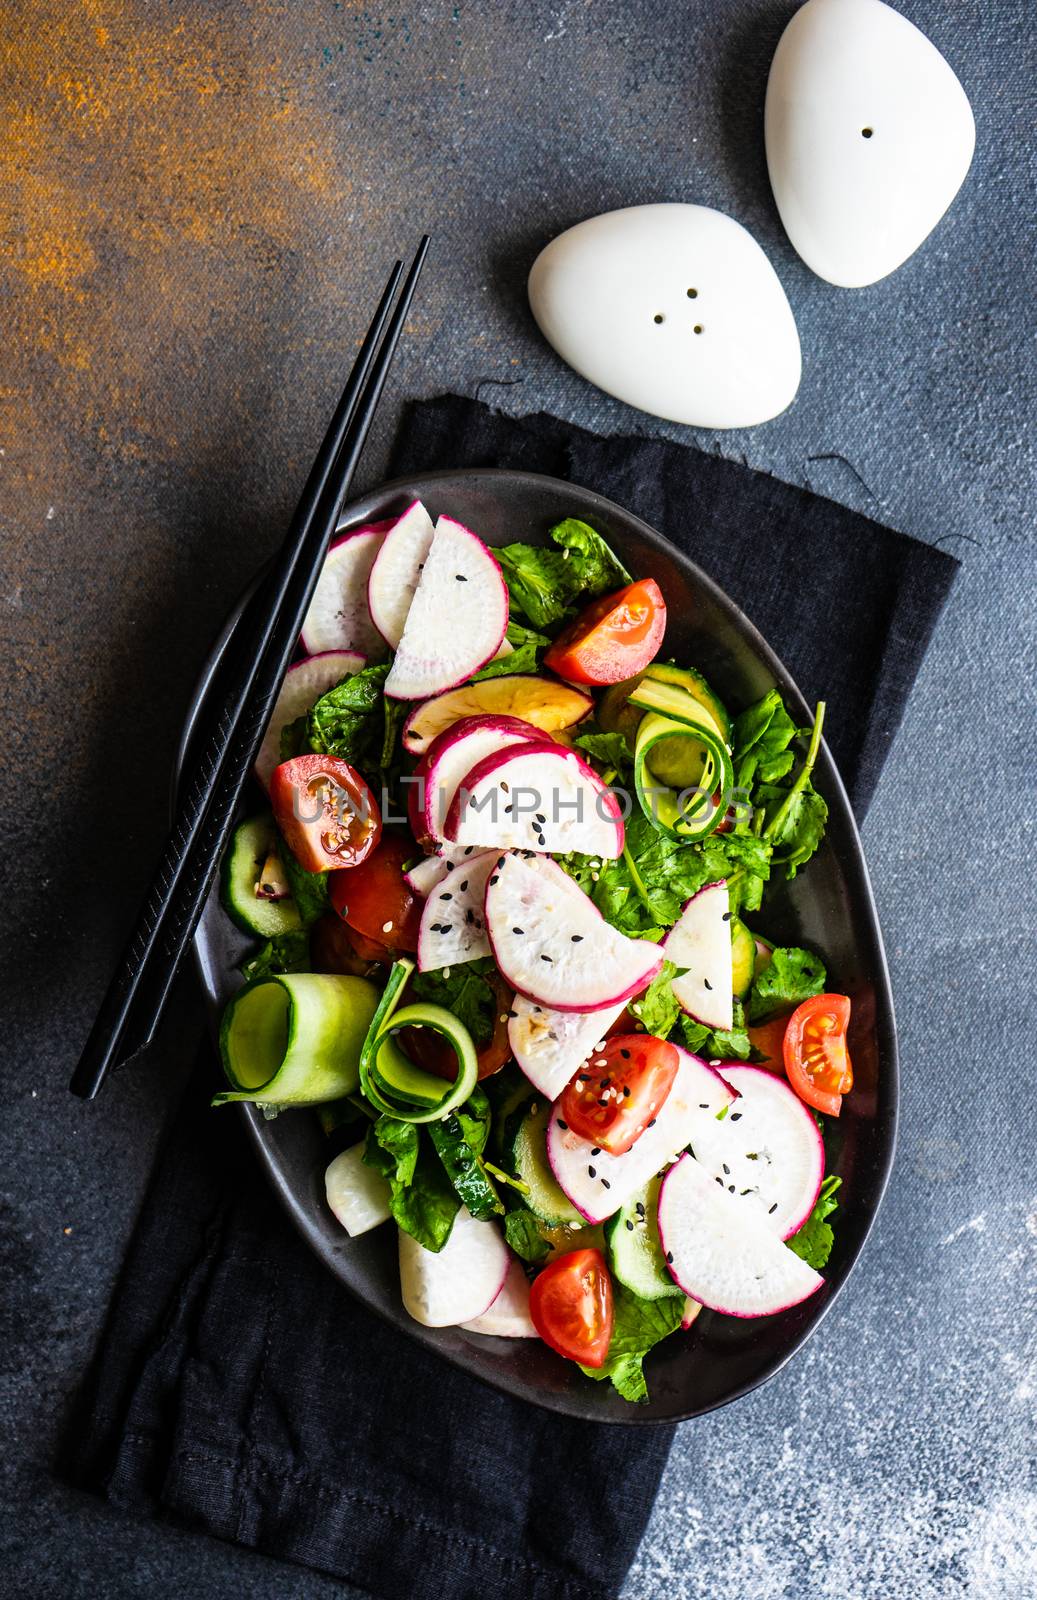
<point>243,863</point>
<point>693,683</point>
<point>743,958</point>
<point>388,1077</point>
<point>526,1156</point>
<point>635,1254</point>
<point>682,814</point>
<point>295,1040</point>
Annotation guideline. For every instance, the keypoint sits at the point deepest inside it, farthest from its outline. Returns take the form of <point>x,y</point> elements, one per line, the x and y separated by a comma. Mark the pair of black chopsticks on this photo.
<point>131,1009</point>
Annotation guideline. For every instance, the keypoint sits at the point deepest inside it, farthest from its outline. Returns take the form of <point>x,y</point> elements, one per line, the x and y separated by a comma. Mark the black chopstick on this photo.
<point>174,901</point>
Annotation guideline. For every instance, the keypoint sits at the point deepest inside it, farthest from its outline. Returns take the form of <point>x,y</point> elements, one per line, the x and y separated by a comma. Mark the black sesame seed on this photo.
<point>735,1116</point>
<point>563,1125</point>
<point>626,1091</point>
<point>727,1169</point>
<point>669,1256</point>
<point>625,1054</point>
<point>460,577</point>
<point>469,916</point>
<point>547,958</point>
<point>577,938</point>
<point>720,1181</point>
<point>603,1101</point>
<point>447,896</point>
<point>494,878</point>
<point>726,917</point>
<point>464,886</point>
<point>630,1227</point>
<point>730,1188</point>
<point>772,1209</point>
<point>605,1082</point>
<point>597,1150</point>
<point>651,1124</point>
<point>592,1172</point>
<point>468,849</point>
<point>705,981</point>
<point>519,931</point>
<point>703,1105</point>
<point>639,1208</point>
<point>540,817</point>
<point>605,1184</point>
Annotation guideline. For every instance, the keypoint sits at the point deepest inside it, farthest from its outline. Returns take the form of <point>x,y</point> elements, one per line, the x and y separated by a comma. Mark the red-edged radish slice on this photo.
<point>425,874</point>
<point>723,1254</point>
<point>457,617</point>
<point>538,797</point>
<point>508,1317</point>
<point>550,1046</point>
<point>452,928</point>
<point>597,1183</point>
<point>691,1311</point>
<point>303,685</point>
<point>552,944</point>
<point>357,1194</point>
<point>451,758</point>
<point>701,941</point>
<point>461,1281</point>
<point>543,702</point>
<point>768,1151</point>
<point>397,570</point>
<point>339,617</point>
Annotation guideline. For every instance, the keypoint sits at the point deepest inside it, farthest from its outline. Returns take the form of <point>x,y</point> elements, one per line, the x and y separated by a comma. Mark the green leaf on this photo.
<point>459,1140</point>
<point>293,740</point>
<point>657,1008</point>
<point>544,583</point>
<point>718,1044</point>
<point>523,1235</point>
<point>422,1199</point>
<point>761,738</point>
<point>466,992</point>
<point>349,721</point>
<point>802,826</point>
<point>285,952</point>
<point>609,751</point>
<point>638,1325</point>
<point>813,1243</point>
<point>309,889</point>
<point>792,976</point>
<point>525,659</point>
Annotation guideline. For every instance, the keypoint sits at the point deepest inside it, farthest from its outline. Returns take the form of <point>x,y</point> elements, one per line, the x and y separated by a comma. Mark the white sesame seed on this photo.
<point>387,927</point>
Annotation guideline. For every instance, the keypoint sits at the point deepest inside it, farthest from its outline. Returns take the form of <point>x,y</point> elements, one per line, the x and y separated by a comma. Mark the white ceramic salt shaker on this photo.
<point>869,136</point>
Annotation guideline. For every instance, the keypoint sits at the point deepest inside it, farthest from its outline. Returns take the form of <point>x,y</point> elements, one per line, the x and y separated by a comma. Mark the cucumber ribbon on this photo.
<point>388,1077</point>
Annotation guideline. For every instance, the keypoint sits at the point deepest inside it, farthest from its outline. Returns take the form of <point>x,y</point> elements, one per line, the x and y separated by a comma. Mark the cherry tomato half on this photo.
<point>817,1061</point>
<point>620,1090</point>
<point>325,811</point>
<point>375,900</point>
<point>614,638</point>
<point>571,1306</point>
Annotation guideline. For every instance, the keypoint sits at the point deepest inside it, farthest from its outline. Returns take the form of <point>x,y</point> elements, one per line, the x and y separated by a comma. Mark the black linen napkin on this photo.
<point>238,1388</point>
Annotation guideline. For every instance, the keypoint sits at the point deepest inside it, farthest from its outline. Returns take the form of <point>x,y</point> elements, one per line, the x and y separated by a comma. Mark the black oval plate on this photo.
<point>829,906</point>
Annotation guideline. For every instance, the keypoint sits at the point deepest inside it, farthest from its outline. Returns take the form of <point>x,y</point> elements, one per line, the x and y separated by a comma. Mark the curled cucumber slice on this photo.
<point>678,767</point>
<point>390,1080</point>
<point>295,1040</point>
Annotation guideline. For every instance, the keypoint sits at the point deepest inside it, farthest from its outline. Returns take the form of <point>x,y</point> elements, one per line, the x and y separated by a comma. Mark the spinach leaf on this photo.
<point>459,1140</point>
<point>285,952</point>
<point>799,823</point>
<point>525,659</point>
<point>813,1243</point>
<point>792,976</point>
<point>309,889</point>
<point>294,741</point>
<point>543,584</point>
<point>718,1044</point>
<point>422,1199</point>
<point>638,1325</point>
<point>522,1232</point>
<point>657,1008</point>
<point>609,751</point>
<point>761,738</point>
<point>349,721</point>
<point>466,992</point>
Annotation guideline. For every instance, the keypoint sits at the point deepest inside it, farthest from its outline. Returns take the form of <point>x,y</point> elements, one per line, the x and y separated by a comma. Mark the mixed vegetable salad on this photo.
<point>507,883</point>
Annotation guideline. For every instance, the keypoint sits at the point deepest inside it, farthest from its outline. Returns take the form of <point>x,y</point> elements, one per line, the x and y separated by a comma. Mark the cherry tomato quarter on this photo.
<point>817,1061</point>
<point>620,1091</point>
<point>325,811</point>
<point>571,1307</point>
<point>613,638</point>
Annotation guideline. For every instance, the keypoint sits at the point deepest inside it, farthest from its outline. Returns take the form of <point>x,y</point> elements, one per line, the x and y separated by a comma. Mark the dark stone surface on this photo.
<point>197,211</point>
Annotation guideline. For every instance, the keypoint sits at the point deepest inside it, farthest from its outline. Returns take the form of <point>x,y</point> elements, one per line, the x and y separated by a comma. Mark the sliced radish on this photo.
<point>357,1194</point>
<point>339,618</point>
<point>722,1253</point>
<point>536,797</point>
<point>550,1046</point>
<point>303,685</point>
<point>547,704</point>
<point>452,924</point>
<point>457,617</point>
<point>553,945</point>
<point>425,874</point>
<point>397,570</point>
<point>508,1317</point>
<point>598,1184</point>
<point>691,1311</point>
<point>701,942</point>
<point>451,758</point>
<point>459,1282</point>
<point>768,1151</point>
